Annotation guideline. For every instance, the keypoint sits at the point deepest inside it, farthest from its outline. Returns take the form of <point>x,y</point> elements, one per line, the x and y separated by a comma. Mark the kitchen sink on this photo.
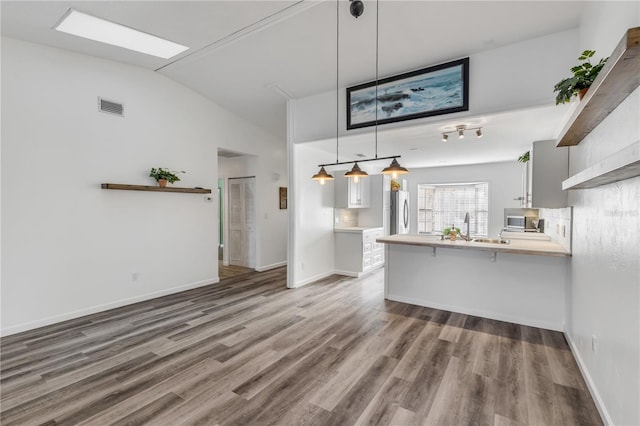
<point>490,240</point>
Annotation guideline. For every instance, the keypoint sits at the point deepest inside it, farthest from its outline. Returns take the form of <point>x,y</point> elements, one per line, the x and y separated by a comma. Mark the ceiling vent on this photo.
<point>110,107</point>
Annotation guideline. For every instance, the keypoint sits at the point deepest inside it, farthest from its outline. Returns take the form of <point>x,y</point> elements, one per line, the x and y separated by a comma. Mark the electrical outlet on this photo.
<point>594,344</point>
<point>134,276</point>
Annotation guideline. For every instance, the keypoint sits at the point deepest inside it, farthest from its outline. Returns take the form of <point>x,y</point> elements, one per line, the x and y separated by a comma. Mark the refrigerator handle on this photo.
<point>406,214</point>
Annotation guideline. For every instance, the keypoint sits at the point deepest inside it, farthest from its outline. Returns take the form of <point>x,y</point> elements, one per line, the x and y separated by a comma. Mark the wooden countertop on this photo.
<point>543,248</point>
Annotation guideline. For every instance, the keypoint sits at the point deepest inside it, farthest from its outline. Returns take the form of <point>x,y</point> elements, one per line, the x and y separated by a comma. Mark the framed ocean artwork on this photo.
<point>436,90</point>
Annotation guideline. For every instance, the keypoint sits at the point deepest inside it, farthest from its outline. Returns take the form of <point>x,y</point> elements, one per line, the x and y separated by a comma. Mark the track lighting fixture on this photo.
<point>460,129</point>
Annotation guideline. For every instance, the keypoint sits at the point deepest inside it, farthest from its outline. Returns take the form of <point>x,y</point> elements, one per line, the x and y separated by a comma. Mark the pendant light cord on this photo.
<point>377,37</point>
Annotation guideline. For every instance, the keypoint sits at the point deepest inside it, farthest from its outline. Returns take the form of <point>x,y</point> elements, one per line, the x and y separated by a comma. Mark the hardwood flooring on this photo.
<point>248,351</point>
<point>229,271</point>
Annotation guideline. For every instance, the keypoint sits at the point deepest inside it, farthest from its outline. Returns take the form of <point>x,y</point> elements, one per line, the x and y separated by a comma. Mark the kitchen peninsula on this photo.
<point>523,282</point>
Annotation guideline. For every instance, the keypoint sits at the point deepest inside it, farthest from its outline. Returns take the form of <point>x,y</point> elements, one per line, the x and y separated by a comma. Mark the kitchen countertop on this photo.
<point>544,248</point>
<point>356,228</point>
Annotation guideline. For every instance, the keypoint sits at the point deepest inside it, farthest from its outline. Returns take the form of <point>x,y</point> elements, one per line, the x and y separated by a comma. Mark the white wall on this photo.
<point>505,183</point>
<point>495,85</point>
<point>314,216</point>
<point>70,248</point>
<point>605,287</point>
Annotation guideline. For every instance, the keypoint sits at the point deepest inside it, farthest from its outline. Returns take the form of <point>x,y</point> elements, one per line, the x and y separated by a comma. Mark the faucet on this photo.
<point>466,220</point>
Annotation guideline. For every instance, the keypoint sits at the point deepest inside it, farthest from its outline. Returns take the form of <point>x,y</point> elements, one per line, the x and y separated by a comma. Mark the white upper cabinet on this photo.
<point>547,168</point>
<point>352,195</point>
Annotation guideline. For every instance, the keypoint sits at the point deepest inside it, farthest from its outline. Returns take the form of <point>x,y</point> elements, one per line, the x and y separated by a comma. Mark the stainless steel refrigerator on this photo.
<point>399,212</point>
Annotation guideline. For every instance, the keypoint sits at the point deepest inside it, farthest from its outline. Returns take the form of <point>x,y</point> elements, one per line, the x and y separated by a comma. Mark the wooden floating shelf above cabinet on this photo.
<point>155,188</point>
<point>617,80</point>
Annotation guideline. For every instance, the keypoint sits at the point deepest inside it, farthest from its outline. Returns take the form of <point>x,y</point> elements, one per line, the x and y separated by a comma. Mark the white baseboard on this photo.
<point>272,266</point>
<point>478,313</point>
<point>602,409</point>
<point>100,308</point>
<point>313,279</point>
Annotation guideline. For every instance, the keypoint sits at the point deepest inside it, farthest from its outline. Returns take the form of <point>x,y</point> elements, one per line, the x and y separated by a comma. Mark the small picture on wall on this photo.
<point>283,198</point>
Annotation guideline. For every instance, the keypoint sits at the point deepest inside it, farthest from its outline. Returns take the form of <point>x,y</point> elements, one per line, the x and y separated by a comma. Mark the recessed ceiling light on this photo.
<point>87,26</point>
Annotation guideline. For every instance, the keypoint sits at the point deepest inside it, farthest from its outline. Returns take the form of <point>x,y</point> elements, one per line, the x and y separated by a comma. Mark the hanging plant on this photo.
<point>524,157</point>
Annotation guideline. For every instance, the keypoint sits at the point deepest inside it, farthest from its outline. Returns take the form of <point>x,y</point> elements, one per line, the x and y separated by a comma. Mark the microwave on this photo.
<point>516,222</point>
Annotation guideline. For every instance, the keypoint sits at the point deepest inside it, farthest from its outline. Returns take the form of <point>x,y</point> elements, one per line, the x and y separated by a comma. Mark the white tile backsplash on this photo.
<point>346,218</point>
<point>558,224</point>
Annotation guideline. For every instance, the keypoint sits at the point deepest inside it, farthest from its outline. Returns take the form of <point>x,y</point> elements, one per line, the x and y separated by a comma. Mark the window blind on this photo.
<point>444,205</point>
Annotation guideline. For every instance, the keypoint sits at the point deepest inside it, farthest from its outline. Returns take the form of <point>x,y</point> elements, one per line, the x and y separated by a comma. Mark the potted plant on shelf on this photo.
<point>162,176</point>
<point>583,76</point>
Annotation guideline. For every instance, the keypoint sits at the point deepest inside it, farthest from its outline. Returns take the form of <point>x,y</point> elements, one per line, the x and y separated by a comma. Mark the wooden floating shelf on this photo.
<point>624,164</point>
<point>618,79</point>
<point>155,188</point>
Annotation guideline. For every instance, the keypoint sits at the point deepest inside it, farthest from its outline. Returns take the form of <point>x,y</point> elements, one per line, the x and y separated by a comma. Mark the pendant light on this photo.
<point>394,168</point>
<point>322,176</point>
<point>356,173</point>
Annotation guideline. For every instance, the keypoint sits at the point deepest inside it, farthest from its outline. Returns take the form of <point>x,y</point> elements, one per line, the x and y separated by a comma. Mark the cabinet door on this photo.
<point>351,195</point>
<point>549,167</point>
<point>359,193</point>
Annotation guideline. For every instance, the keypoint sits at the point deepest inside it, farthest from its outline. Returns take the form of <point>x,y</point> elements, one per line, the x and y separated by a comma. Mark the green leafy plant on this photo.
<point>583,76</point>
<point>168,175</point>
<point>447,231</point>
<point>524,157</point>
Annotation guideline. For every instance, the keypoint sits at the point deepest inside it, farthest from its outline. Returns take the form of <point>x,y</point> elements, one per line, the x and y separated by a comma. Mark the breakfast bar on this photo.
<point>523,282</point>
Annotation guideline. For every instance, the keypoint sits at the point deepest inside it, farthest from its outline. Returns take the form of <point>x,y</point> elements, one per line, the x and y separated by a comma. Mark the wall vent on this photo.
<point>110,107</point>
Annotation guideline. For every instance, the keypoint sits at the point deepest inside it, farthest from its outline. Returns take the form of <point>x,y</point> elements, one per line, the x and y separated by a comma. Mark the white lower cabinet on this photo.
<point>357,251</point>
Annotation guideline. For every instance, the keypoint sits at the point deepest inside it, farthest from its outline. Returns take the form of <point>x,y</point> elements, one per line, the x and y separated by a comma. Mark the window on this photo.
<point>443,205</point>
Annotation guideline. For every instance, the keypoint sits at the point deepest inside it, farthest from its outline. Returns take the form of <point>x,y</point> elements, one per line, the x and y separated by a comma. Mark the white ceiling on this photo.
<point>247,55</point>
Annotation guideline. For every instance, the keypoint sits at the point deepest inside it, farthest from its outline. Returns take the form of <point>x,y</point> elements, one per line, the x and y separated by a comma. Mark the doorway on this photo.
<point>236,183</point>
<point>241,237</point>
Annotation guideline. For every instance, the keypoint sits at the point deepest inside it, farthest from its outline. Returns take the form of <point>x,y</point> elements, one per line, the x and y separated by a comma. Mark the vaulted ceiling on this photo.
<point>249,56</point>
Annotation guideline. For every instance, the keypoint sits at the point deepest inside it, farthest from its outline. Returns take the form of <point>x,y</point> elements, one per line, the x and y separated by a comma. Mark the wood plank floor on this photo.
<point>229,271</point>
<point>248,351</point>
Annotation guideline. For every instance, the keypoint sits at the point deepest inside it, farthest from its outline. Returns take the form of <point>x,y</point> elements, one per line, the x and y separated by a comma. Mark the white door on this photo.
<point>241,222</point>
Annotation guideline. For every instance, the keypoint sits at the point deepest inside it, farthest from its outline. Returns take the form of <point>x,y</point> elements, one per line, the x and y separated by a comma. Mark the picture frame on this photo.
<point>436,90</point>
<point>283,197</point>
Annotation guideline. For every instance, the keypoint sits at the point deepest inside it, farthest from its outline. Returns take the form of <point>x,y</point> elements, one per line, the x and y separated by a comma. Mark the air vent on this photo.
<point>110,107</point>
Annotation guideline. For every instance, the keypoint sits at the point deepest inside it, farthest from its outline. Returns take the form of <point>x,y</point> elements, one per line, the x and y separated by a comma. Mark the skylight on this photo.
<point>87,26</point>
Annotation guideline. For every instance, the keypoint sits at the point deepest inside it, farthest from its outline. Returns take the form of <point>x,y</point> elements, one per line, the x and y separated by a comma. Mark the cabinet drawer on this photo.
<point>377,246</point>
<point>367,248</point>
<point>366,263</point>
<point>372,235</point>
<point>378,259</point>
